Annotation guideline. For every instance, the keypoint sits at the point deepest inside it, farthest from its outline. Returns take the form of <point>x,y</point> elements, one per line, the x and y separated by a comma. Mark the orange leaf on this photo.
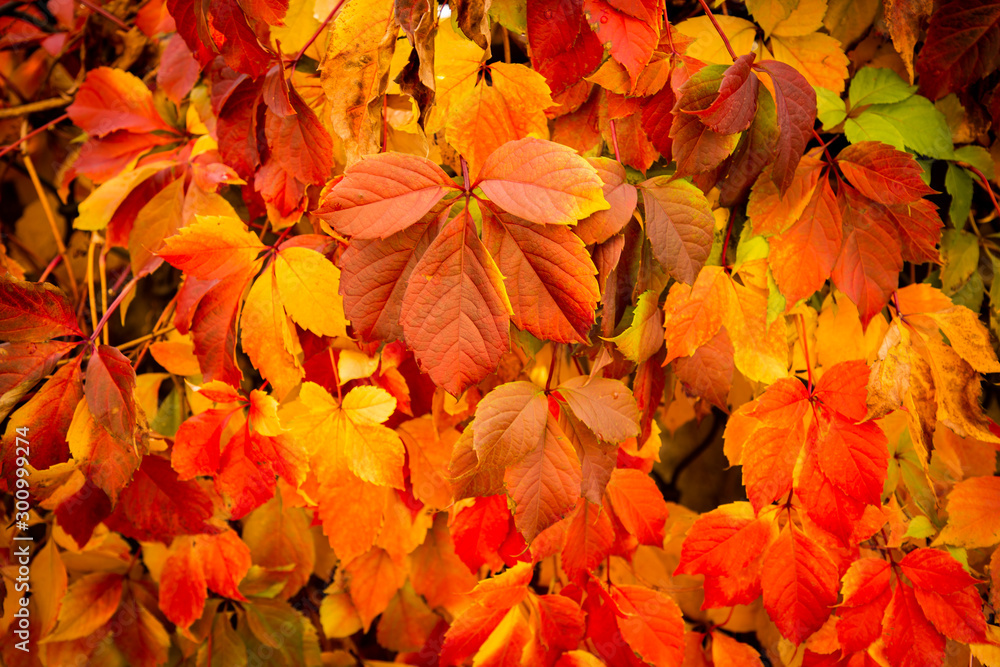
<point>652,624</point>
<point>455,314</point>
<point>373,580</point>
<point>542,182</point>
<point>973,519</point>
<point>383,194</point>
<point>800,583</point>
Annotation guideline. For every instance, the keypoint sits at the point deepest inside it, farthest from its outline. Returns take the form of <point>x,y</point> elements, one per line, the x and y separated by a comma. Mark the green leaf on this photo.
<point>830,109</point>
<point>971,293</point>
<point>979,158</point>
<point>958,182</point>
<point>511,14</point>
<point>923,128</point>
<point>873,127</point>
<point>878,86</point>
<point>920,527</point>
<point>959,257</point>
<point>644,336</point>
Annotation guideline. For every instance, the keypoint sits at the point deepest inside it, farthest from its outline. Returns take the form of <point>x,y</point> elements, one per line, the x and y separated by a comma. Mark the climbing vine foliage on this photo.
<point>561,332</point>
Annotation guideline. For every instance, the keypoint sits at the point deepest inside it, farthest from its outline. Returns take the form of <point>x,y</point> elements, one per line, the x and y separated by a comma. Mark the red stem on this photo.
<point>465,176</point>
<point>111,309</point>
<point>29,135</point>
<point>614,140</point>
<point>985,184</point>
<point>105,13</point>
<point>718,28</point>
<point>805,351</point>
<point>552,367</point>
<point>326,22</point>
<point>725,244</point>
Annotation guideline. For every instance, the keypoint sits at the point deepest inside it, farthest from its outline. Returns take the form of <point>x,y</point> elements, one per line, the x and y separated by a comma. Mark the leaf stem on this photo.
<point>29,135</point>
<point>725,244</point>
<point>102,262</point>
<point>114,306</point>
<point>614,140</point>
<point>44,200</point>
<point>465,176</point>
<point>32,107</point>
<point>805,351</point>
<point>90,287</point>
<point>984,182</point>
<point>718,29</point>
<point>106,14</point>
<point>552,368</point>
<point>322,26</point>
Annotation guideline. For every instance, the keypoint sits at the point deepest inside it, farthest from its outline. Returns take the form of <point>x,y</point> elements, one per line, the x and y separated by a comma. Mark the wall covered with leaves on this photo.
<point>558,332</point>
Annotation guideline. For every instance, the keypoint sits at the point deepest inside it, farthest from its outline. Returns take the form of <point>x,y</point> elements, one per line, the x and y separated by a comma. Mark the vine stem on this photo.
<point>984,182</point>
<point>315,35</point>
<point>113,307</point>
<point>90,286</point>
<point>50,217</point>
<point>33,107</point>
<point>614,140</point>
<point>718,29</point>
<point>552,368</point>
<point>805,351</point>
<point>725,244</point>
<point>29,135</point>
<point>465,175</point>
<point>105,13</point>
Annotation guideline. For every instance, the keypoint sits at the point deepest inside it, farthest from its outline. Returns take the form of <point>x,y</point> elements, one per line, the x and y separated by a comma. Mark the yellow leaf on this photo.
<point>708,46</point>
<point>512,108</point>
<point>268,336</point>
<point>973,514</point>
<point>818,57</point>
<point>361,43</point>
<point>769,13</point>
<point>299,25</point>
<point>309,286</point>
<point>456,64</point>
<point>98,208</point>
<point>805,19</point>
<point>337,614</point>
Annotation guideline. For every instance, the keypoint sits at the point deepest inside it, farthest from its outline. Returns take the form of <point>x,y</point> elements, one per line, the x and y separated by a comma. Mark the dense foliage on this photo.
<point>343,332</point>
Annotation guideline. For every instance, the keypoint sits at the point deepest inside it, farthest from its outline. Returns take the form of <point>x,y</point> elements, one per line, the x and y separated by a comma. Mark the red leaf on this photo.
<point>109,388</point>
<point>235,39</point>
<point>563,47</point>
<point>455,312</point>
<point>300,143</point>
<point>32,312</point>
<point>696,148</point>
<point>22,365</point>
<point>374,276</point>
<point>81,512</point>
<point>590,539</point>
<point>157,506</point>
<point>919,227</point>
<point>178,70</point>
<point>866,594</point>
<point>619,193</point>
<point>868,267</point>
<point>638,504</point>
<point>882,173</point>
<point>734,108</point>
<point>946,594</point>
<point>826,504</point>
<point>723,541</point>
<point>795,106</point>
<point>47,415</point>
<point>631,40</point>
<point>844,388</point>
<point>909,637</point>
<point>802,258</point>
<point>550,277</point>
<point>961,46</point>
<point>383,194</point>
<point>479,530</point>
<point>800,582</point>
<point>769,457</point>
<point>112,99</point>
<point>855,457</point>
<point>652,624</point>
